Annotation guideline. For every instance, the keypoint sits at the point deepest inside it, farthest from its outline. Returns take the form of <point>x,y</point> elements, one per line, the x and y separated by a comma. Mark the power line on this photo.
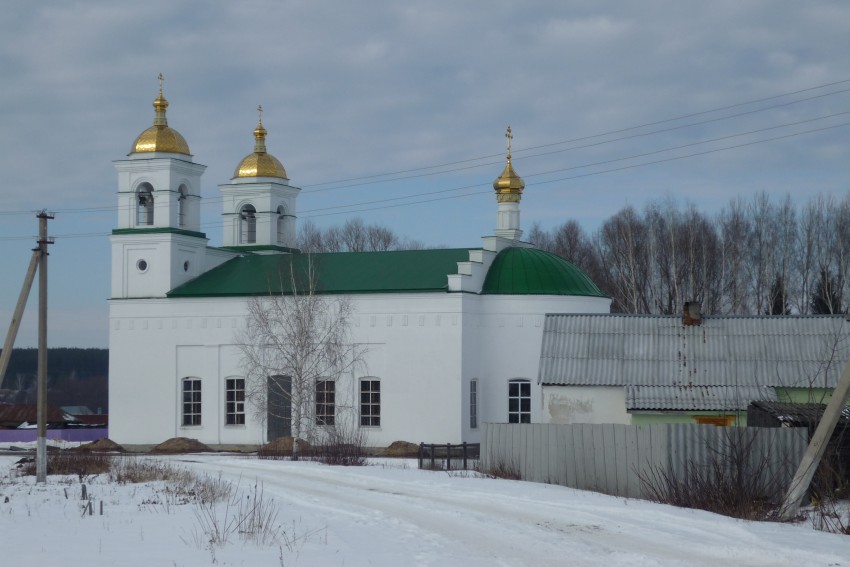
<point>618,131</point>
<point>349,209</point>
<point>218,200</point>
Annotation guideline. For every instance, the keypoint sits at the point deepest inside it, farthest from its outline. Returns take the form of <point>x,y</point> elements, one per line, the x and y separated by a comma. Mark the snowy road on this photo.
<point>386,515</point>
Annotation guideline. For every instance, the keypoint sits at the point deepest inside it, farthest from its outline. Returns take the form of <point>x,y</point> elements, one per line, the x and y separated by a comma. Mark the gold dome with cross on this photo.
<point>159,137</point>
<point>260,163</point>
<point>509,185</point>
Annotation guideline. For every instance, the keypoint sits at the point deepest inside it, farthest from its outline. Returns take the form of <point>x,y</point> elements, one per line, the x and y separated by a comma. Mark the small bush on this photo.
<point>503,470</point>
<point>133,470</point>
<point>341,446</point>
<point>733,481</point>
<point>81,465</point>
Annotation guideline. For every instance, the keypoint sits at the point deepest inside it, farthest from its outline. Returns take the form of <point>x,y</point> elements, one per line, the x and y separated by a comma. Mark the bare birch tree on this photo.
<point>734,227</point>
<point>292,342</point>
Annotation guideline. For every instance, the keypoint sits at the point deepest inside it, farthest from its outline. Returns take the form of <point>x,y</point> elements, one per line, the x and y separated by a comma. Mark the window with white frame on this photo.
<point>248,225</point>
<point>519,401</point>
<point>325,402</point>
<point>191,401</point>
<point>473,403</point>
<point>234,407</point>
<point>370,402</point>
<point>144,205</point>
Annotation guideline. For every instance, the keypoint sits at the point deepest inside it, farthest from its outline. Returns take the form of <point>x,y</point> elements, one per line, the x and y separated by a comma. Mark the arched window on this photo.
<point>248,225</point>
<point>144,205</point>
<point>181,206</point>
<point>191,388</point>
<point>281,228</point>
<point>519,401</point>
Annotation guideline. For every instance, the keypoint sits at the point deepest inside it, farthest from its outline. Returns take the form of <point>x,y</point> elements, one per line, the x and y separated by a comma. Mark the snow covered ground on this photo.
<point>388,514</point>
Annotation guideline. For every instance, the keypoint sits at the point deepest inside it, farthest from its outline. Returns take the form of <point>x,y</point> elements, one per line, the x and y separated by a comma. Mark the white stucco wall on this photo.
<point>424,348</point>
<point>412,345</point>
<point>585,404</point>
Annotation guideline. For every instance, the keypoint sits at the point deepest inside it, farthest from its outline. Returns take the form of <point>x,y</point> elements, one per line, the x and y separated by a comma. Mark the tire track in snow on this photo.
<point>510,530</point>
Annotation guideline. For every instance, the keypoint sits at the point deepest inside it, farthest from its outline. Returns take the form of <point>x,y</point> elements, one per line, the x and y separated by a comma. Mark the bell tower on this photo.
<point>157,244</point>
<point>259,202</point>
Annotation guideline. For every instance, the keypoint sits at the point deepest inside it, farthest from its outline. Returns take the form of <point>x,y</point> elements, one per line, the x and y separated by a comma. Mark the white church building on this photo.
<point>452,337</point>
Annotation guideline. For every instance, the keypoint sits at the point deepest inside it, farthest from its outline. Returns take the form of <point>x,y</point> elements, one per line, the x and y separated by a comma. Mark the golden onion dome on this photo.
<point>159,137</point>
<point>260,163</point>
<point>509,185</point>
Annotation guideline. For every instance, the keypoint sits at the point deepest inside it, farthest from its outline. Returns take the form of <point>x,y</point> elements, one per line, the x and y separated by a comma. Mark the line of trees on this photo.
<point>755,257</point>
<point>353,236</point>
<point>76,376</point>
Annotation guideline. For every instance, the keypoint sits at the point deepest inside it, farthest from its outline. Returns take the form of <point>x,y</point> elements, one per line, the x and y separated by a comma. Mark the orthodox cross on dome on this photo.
<point>160,104</point>
<point>510,137</point>
<point>260,133</point>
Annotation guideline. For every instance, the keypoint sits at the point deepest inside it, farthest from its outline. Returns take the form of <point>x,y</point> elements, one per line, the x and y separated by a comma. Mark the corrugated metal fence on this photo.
<point>612,458</point>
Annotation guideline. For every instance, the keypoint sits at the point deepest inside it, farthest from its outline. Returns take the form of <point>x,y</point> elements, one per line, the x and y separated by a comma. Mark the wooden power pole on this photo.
<point>19,313</point>
<point>817,447</point>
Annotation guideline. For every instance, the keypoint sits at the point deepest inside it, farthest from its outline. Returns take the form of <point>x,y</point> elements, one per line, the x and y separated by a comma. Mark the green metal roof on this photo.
<point>339,272</point>
<point>529,271</point>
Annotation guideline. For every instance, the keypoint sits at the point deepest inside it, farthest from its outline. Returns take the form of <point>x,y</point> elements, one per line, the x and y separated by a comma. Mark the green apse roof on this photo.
<point>528,271</point>
<point>338,272</point>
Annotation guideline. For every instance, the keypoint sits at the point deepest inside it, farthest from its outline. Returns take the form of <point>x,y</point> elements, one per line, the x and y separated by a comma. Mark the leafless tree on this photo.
<point>310,237</point>
<point>353,236</point>
<point>734,227</point>
<point>623,243</point>
<point>302,339</point>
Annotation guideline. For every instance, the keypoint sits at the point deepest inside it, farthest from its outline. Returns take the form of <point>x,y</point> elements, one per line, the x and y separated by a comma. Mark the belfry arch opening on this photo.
<point>248,224</point>
<point>144,205</point>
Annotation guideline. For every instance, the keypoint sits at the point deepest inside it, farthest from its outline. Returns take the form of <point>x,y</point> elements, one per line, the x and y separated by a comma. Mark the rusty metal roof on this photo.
<point>15,414</point>
<point>645,350</point>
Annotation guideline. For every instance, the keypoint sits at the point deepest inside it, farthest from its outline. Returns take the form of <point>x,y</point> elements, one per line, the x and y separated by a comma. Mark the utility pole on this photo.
<point>41,445</point>
<point>817,447</point>
<point>19,312</point>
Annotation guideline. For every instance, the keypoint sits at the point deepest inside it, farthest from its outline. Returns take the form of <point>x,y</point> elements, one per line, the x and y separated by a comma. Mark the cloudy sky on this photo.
<point>396,112</point>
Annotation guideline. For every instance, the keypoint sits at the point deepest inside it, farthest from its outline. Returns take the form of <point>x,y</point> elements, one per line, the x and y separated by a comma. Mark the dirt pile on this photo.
<point>102,445</point>
<point>402,449</point>
<point>181,445</point>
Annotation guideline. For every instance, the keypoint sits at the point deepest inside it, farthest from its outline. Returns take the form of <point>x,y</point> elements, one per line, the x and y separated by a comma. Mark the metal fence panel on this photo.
<point>613,458</point>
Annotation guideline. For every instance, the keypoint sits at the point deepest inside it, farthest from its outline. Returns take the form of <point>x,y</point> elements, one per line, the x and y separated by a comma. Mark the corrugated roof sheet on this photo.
<point>695,398</point>
<point>342,272</point>
<point>609,349</point>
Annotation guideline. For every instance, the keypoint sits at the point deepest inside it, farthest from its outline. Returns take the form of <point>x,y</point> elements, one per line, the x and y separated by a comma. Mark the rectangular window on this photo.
<point>191,401</point>
<point>234,409</point>
<point>519,401</point>
<point>370,403</point>
<point>473,403</point>
<point>325,402</point>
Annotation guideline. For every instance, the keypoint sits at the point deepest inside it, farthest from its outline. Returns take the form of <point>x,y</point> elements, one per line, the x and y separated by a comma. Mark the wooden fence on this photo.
<point>613,458</point>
